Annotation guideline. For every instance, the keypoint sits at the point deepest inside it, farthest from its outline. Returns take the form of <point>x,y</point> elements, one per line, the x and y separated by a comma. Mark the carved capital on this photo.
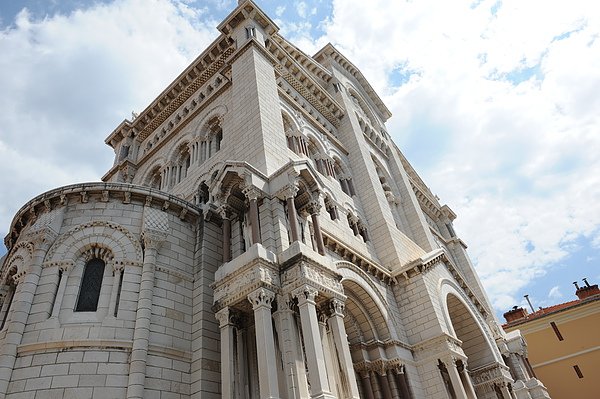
<point>305,294</point>
<point>153,239</point>
<point>336,307</point>
<point>225,211</point>
<point>262,297</point>
<point>252,193</point>
<point>313,207</point>
<point>288,191</point>
<point>226,317</point>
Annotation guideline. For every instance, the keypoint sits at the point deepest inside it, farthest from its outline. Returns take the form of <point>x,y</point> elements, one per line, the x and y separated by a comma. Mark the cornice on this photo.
<point>82,193</point>
<point>329,51</point>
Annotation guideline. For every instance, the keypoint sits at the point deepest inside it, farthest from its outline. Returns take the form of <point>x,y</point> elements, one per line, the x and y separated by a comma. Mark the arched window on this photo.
<point>8,297</point>
<point>91,282</point>
<point>155,178</point>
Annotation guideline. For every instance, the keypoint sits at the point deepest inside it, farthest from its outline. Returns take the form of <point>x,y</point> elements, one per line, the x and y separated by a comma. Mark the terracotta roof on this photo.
<point>551,310</point>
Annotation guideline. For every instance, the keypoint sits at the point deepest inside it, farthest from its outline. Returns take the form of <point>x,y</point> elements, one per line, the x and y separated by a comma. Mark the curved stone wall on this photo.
<point>146,239</point>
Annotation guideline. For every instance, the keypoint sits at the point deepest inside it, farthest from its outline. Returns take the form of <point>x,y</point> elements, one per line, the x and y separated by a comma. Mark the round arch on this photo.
<point>465,324</point>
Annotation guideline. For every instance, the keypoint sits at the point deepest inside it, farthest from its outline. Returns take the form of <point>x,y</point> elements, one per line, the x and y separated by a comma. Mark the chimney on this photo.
<point>587,291</point>
<point>516,313</point>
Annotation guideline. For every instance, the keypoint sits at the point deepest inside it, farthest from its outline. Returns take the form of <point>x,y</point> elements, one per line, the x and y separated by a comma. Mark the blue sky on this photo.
<point>495,103</point>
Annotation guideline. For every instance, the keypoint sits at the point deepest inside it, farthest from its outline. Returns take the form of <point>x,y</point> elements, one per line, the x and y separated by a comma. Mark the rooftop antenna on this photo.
<point>529,302</point>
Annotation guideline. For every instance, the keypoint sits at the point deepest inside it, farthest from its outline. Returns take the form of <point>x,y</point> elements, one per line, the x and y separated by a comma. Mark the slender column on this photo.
<point>291,349</point>
<point>384,383</point>
<point>376,385</point>
<point>505,391</point>
<point>60,292</point>
<point>344,184</point>
<point>117,271</point>
<point>340,339</point>
<point>226,216</point>
<point>457,385</point>
<point>403,382</point>
<point>252,194</point>
<point>517,366</point>
<point>242,361</point>
<point>367,387</point>
<point>313,209</point>
<point>466,380</point>
<point>261,300</point>
<point>290,193</point>
<point>27,282</point>
<point>141,334</point>
<point>312,342</point>
<point>224,316</point>
<point>393,384</point>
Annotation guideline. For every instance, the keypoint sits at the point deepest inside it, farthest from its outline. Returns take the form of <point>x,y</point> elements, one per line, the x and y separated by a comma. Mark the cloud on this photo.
<point>69,80</point>
<point>555,293</point>
<point>497,110</point>
<point>301,9</point>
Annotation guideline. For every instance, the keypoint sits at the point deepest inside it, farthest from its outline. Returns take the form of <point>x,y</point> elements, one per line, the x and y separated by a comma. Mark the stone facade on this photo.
<point>259,236</point>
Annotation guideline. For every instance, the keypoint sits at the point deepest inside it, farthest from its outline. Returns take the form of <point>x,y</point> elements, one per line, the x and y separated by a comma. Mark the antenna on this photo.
<point>529,302</point>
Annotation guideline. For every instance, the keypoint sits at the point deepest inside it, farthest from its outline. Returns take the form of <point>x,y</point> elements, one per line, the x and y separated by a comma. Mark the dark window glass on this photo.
<point>91,282</point>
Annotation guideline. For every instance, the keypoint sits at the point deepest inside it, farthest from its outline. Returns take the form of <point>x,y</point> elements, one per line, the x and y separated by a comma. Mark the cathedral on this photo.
<point>259,235</point>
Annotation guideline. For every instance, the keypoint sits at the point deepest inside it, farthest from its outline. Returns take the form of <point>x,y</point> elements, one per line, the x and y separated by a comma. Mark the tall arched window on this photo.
<point>8,297</point>
<point>91,282</point>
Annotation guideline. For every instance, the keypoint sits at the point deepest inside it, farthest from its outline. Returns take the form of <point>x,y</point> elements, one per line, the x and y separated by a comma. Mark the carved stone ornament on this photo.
<point>305,293</point>
<point>237,287</point>
<point>336,307</point>
<point>153,239</point>
<point>261,298</point>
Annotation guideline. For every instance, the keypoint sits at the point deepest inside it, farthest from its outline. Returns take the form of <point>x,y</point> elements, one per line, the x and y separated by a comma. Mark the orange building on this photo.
<point>564,343</point>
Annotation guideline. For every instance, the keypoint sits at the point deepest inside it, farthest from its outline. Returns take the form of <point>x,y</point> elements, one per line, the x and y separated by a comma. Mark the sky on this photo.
<point>495,103</point>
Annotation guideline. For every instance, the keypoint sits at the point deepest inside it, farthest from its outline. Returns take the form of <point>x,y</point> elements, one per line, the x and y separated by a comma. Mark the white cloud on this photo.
<point>279,11</point>
<point>555,293</point>
<point>517,160</point>
<point>301,9</point>
<point>68,81</point>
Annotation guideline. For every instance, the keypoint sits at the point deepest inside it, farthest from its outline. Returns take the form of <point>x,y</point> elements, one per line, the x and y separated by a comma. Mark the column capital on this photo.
<point>225,211</point>
<point>305,294</point>
<point>262,297</point>
<point>153,239</point>
<point>288,191</point>
<point>227,317</point>
<point>336,307</point>
<point>252,192</point>
<point>313,207</point>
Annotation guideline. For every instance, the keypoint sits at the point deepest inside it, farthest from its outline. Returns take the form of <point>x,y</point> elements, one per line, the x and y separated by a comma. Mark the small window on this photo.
<point>91,282</point>
<point>578,371</point>
<point>250,32</point>
<point>556,331</point>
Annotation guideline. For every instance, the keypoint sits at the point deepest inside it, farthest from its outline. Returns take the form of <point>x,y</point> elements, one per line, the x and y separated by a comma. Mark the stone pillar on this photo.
<point>290,193</point>
<point>505,391</point>
<point>403,383</point>
<point>224,316</point>
<point>367,387</point>
<point>466,380</point>
<point>141,334</point>
<point>340,339</point>
<point>261,300</point>
<point>252,194</point>
<point>457,385</point>
<point>27,282</point>
<point>112,306</point>
<point>386,390</point>
<point>393,384</point>
<point>517,366</point>
<point>291,349</point>
<point>312,342</point>
<point>60,292</point>
<point>225,212</point>
<point>313,209</point>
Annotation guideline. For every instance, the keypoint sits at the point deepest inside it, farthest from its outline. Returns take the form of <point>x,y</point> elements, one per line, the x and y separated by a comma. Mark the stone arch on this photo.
<point>366,304</point>
<point>218,111</point>
<point>20,257</point>
<point>363,105</point>
<point>464,323</point>
<point>123,245</point>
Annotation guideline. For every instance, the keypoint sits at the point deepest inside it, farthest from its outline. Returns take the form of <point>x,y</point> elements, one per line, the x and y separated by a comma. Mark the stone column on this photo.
<point>224,316</point>
<point>336,324</point>
<point>315,357</point>
<point>313,209</point>
<point>466,380</point>
<point>386,390</point>
<point>112,307</point>
<point>225,212</point>
<point>393,384</point>
<point>252,194</point>
<point>290,193</point>
<point>367,387</point>
<point>457,385</point>
<point>402,382</point>
<point>291,349</point>
<point>27,282</point>
<point>60,292</point>
<point>261,300</point>
<point>141,334</point>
